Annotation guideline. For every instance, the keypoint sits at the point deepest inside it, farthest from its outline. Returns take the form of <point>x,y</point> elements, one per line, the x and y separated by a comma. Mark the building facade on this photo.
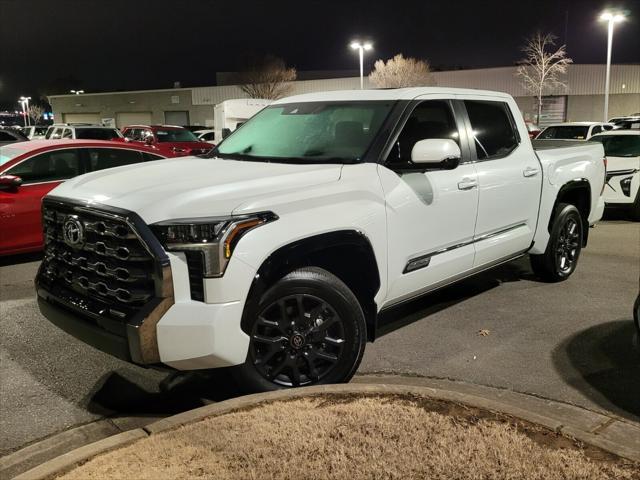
<point>581,100</point>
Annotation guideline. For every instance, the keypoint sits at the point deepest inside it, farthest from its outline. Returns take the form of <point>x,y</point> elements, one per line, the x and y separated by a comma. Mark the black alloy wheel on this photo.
<point>297,340</point>
<point>306,329</point>
<point>561,256</point>
<point>567,245</point>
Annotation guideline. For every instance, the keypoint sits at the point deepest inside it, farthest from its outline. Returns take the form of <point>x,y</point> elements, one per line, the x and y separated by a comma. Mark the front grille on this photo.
<point>109,272</point>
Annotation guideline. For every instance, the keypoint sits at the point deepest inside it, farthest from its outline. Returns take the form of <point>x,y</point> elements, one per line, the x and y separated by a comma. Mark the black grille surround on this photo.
<point>116,280</point>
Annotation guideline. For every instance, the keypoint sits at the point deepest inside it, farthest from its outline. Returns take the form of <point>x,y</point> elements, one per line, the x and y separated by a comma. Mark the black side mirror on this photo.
<point>10,182</point>
<point>226,132</point>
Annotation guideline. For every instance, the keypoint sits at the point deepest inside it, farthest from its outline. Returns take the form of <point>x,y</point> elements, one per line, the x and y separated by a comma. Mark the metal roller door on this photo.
<point>93,118</point>
<point>132,118</point>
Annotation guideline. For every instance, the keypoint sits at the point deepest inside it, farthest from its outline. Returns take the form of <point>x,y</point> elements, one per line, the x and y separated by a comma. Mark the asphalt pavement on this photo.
<point>569,342</point>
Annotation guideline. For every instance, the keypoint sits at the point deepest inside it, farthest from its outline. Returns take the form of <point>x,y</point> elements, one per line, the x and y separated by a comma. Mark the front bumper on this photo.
<point>622,187</point>
<point>175,331</point>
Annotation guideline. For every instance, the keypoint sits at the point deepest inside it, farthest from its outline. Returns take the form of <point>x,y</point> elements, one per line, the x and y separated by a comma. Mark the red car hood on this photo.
<point>186,147</point>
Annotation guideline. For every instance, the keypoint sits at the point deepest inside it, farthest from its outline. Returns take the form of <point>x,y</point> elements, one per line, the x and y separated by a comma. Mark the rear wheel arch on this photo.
<point>576,192</point>
<point>347,254</point>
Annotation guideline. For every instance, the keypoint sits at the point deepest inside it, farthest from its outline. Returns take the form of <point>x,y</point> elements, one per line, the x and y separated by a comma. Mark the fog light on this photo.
<point>625,184</point>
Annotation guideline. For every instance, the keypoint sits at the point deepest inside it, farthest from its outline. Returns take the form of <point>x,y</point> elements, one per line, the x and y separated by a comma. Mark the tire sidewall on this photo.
<point>339,297</point>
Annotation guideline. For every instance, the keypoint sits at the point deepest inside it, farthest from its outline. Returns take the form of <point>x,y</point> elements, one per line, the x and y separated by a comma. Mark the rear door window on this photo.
<point>48,167</point>
<point>102,158</point>
<point>67,133</point>
<point>96,133</point>
<point>493,128</point>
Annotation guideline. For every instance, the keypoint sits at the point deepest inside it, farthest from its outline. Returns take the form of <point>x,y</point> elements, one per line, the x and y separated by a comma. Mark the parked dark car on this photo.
<point>11,135</point>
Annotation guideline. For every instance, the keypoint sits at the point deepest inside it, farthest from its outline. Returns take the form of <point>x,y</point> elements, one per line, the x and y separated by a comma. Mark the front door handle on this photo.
<point>467,183</point>
<point>530,171</point>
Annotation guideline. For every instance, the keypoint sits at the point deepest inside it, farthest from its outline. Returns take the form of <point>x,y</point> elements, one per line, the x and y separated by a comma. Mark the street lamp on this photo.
<point>361,47</point>
<point>24,101</point>
<point>77,92</point>
<point>612,18</point>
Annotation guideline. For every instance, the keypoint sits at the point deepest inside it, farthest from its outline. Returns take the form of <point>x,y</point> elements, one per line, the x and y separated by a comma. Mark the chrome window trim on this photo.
<point>423,261</point>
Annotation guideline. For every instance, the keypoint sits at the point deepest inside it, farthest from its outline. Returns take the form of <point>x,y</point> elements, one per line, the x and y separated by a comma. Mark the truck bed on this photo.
<point>548,144</point>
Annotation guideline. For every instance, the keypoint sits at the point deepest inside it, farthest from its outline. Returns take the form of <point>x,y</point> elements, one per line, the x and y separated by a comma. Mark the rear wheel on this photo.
<point>307,329</point>
<point>560,258</point>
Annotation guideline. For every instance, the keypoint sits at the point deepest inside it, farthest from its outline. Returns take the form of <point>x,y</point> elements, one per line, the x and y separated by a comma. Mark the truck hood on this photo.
<point>190,187</point>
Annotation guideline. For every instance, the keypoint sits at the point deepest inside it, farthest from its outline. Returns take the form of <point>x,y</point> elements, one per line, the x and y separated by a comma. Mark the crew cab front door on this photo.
<point>431,213</point>
<point>509,180</point>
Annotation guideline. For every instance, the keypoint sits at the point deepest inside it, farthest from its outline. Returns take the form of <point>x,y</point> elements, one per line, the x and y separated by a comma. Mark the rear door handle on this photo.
<point>530,172</point>
<point>467,184</point>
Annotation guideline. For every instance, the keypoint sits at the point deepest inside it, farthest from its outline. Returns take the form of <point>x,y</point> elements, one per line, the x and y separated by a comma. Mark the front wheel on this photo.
<point>561,256</point>
<point>307,329</point>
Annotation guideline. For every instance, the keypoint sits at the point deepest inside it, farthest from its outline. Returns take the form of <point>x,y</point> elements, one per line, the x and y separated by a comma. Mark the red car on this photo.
<point>168,140</point>
<point>29,170</point>
<point>533,130</point>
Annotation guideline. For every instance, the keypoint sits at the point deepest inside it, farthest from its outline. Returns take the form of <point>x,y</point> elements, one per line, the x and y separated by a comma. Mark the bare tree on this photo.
<point>268,78</point>
<point>542,68</point>
<point>400,72</point>
<point>35,112</point>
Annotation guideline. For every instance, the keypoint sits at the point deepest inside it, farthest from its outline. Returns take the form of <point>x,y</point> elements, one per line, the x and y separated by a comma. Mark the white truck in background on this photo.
<point>230,114</point>
<point>295,240</point>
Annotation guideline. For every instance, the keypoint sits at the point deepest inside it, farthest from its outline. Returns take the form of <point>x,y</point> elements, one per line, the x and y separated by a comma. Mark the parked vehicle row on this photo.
<point>288,246</point>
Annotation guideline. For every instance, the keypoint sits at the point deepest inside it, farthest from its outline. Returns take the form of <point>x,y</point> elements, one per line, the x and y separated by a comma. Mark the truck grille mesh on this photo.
<point>108,271</point>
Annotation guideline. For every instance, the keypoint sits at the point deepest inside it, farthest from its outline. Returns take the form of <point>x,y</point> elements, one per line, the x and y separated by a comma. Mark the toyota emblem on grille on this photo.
<point>73,232</point>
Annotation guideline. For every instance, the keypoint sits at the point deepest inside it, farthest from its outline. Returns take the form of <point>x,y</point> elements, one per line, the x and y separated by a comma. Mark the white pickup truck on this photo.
<point>279,252</point>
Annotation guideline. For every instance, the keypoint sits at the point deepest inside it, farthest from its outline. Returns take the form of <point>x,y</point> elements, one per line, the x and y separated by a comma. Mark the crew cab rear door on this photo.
<point>431,213</point>
<point>509,179</point>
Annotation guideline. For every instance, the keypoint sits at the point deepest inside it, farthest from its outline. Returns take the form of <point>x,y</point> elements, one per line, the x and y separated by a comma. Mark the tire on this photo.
<point>307,329</point>
<point>561,256</point>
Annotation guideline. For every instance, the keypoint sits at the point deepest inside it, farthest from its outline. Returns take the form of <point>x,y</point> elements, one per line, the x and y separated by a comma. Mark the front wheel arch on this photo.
<point>347,254</point>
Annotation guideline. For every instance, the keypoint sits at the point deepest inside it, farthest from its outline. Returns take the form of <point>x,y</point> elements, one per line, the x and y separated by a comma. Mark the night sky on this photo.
<point>101,45</point>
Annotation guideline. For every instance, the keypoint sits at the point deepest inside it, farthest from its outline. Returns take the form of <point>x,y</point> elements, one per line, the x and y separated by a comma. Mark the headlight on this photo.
<point>212,238</point>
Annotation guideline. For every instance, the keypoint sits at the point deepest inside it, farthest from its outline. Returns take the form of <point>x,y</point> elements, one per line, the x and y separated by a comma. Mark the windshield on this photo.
<point>565,132</point>
<point>619,145</point>
<point>96,133</point>
<point>311,132</point>
<point>175,135</point>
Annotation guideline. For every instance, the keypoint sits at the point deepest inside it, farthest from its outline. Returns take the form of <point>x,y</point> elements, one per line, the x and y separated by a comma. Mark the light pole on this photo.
<point>612,18</point>
<point>77,92</point>
<point>361,47</point>
<point>24,101</point>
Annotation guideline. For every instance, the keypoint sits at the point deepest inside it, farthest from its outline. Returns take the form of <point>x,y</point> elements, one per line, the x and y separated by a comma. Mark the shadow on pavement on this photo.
<point>617,214</point>
<point>179,391</point>
<point>412,311</point>
<point>604,365</point>
<point>20,258</point>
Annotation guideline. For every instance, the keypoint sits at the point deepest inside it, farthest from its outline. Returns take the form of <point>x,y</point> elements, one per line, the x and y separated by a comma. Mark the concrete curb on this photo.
<point>611,434</point>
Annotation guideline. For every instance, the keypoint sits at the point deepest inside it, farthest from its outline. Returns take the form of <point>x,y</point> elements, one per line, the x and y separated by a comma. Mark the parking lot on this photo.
<point>570,341</point>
